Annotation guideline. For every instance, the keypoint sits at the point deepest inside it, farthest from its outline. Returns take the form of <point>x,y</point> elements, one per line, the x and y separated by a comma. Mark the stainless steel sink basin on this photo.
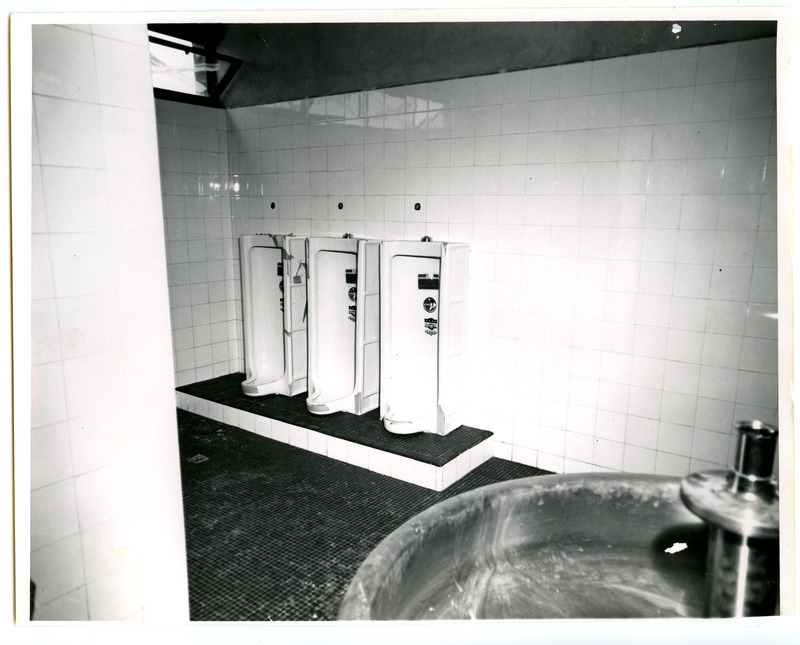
<point>556,546</point>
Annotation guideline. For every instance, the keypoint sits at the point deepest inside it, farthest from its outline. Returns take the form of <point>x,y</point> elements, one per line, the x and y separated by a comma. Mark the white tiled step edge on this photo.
<point>396,466</point>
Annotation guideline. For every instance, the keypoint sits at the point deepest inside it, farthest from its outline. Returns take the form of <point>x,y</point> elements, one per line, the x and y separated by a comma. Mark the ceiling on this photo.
<point>285,61</point>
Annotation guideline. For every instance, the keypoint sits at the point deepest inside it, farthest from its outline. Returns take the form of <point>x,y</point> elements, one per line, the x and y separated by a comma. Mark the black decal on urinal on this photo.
<point>280,284</point>
<point>431,326</point>
<point>350,276</point>
<point>351,309</point>
<point>425,281</point>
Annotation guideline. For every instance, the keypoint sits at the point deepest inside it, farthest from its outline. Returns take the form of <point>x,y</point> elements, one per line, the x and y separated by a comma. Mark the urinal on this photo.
<point>423,335</point>
<point>274,314</point>
<point>343,325</point>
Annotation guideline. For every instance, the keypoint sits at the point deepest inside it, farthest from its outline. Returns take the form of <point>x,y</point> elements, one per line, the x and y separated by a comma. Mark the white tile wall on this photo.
<point>195,185</point>
<point>621,216</point>
<point>106,522</point>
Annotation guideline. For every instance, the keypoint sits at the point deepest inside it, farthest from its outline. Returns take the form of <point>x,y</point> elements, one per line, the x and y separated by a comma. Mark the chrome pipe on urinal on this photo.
<point>741,508</point>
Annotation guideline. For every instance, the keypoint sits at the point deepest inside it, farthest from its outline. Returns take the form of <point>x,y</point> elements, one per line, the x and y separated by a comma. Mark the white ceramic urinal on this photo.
<point>343,325</point>
<point>274,314</point>
<point>423,335</point>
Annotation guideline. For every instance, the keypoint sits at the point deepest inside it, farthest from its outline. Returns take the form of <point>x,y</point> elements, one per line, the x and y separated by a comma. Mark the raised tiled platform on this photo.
<point>424,459</point>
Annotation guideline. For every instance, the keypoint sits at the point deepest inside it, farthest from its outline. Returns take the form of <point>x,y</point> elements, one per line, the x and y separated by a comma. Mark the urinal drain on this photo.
<point>197,459</point>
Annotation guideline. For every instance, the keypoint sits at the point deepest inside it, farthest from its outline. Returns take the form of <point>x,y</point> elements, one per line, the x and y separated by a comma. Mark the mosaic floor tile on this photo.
<point>274,532</point>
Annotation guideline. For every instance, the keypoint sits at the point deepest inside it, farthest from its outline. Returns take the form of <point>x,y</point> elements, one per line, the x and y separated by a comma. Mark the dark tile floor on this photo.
<point>277,533</point>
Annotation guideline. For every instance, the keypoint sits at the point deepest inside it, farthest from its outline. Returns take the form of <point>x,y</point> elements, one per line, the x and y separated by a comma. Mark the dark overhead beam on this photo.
<point>285,61</point>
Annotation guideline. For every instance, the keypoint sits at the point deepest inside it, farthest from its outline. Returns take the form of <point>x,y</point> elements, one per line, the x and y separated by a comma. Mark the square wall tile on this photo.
<point>282,431</point>
<point>545,83</point>
<point>51,460</point>
<point>608,75</point>
<point>682,378</point>
<point>425,475</point>
<point>56,50</point>
<point>756,59</point>
<point>718,383</point>
<point>692,282</point>
<point>107,492</point>
<point>116,595</point>
<point>337,449</point>
<point>317,442</point>
<point>762,321</point>
<point>675,439</point>
<point>514,117</point>
<point>674,104</point>
<point>608,454</point>
<point>230,415</point>
<point>70,606</point>
<point>718,63</point>
<point>679,67</point>
<point>57,569</point>
<point>642,432</point>
<point>731,283</point>
<point>404,468</point>
<point>500,450</point>
<point>712,102</point>
<point>708,139</point>
<point>757,389</point>
<point>379,462</point>
<point>448,474</point>
<point>639,460</point>
<point>714,415</point>
<point>611,425</point>
<point>685,345</point>
<point>753,98</point>
<point>576,79</point>
<point>552,463</point>
<point>638,107</point>
<point>54,513</point>
<point>122,69</point>
<point>672,465</point>
<point>110,546</point>
<point>579,447</point>
<point>644,402</point>
<point>642,71</point>
<point>263,426</point>
<point>710,446</point>
<point>678,408</point>
<point>77,146</point>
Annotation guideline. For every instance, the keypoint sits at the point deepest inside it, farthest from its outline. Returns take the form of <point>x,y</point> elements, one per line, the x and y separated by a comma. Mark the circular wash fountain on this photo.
<point>555,546</point>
